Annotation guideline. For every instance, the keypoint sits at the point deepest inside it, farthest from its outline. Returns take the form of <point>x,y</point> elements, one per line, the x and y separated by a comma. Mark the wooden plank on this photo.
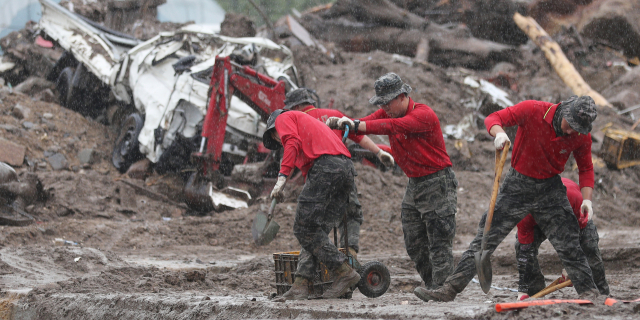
<point>300,32</point>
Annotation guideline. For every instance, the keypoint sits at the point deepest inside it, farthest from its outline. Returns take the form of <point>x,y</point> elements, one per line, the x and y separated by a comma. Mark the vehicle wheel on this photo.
<point>65,87</point>
<point>126,150</point>
<point>374,279</point>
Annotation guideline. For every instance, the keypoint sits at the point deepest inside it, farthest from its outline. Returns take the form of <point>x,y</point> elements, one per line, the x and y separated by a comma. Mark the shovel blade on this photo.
<point>483,267</point>
<point>264,230</point>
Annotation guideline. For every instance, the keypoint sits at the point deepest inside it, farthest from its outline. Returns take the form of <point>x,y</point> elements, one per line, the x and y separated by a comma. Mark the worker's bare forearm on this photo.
<point>362,128</point>
<point>587,193</point>
<point>495,130</point>
<point>368,144</point>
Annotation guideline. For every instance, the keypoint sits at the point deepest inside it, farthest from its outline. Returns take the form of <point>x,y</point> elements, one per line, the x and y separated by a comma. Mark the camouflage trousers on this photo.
<point>429,224</point>
<point>531,277</point>
<point>546,200</point>
<point>306,265</point>
<point>321,205</point>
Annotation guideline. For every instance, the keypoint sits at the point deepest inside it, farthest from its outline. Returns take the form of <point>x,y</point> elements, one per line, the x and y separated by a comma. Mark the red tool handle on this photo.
<point>524,304</point>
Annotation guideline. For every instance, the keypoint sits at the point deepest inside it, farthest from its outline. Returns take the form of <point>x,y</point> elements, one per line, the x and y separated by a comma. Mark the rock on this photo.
<point>8,127</point>
<point>46,95</point>
<point>20,112</point>
<point>87,156</point>
<point>28,125</point>
<point>47,115</point>
<point>33,85</point>
<point>11,153</point>
<point>58,161</point>
<point>49,125</point>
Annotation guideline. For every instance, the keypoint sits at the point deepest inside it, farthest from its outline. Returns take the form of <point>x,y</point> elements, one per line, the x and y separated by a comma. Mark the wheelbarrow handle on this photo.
<point>271,208</point>
<point>346,134</point>
<point>500,160</point>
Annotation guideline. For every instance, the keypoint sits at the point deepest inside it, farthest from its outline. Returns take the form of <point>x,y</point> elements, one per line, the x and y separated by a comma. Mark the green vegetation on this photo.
<point>274,9</point>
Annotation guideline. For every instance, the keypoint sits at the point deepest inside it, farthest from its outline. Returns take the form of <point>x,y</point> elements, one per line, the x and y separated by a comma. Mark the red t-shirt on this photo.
<point>416,139</point>
<point>537,152</point>
<point>526,225</point>
<point>324,114</point>
<point>305,139</point>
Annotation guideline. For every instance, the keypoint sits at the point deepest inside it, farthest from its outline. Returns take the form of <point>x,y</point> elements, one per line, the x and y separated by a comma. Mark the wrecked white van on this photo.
<point>159,87</point>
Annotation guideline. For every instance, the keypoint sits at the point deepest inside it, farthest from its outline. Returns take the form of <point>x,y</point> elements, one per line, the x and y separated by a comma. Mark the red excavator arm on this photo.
<point>261,92</point>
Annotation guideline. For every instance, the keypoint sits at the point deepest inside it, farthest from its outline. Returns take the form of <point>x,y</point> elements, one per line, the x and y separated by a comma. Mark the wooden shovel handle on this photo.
<point>500,160</point>
<point>548,290</point>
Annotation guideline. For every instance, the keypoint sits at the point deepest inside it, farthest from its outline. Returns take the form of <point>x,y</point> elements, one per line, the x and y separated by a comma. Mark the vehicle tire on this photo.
<point>126,150</point>
<point>374,279</point>
<point>64,85</point>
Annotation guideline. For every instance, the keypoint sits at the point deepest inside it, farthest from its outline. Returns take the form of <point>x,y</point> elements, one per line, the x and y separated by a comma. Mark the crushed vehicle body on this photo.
<point>162,84</point>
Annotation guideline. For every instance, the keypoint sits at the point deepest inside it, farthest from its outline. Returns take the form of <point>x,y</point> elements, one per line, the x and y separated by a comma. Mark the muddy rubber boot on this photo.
<point>346,277</point>
<point>594,296</point>
<point>299,291</point>
<point>442,294</point>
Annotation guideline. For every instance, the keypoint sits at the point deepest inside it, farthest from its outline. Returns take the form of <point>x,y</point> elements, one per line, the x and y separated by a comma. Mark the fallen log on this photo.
<point>379,12</point>
<point>558,60</point>
<point>447,47</point>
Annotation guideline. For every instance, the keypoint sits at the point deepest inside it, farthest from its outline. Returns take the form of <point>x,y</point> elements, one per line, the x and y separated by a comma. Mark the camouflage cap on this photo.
<point>268,141</point>
<point>388,87</point>
<point>579,112</point>
<point>297,97</point>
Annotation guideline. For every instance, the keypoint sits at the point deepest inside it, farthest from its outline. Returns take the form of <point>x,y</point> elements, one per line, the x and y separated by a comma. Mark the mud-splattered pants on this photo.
<point>429,224</point>
<point>321,206</point>
<point>546,200</point>
<point>306,266</point>
<point>531,277</point>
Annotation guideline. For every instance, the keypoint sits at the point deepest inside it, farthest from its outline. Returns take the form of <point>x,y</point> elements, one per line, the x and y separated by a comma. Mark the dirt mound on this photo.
<point>48,129</point>
<point>237,25</point>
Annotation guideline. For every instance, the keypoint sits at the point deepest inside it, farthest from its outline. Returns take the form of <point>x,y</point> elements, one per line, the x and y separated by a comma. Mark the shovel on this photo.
<point>264,228</point>
<point>483,257</point>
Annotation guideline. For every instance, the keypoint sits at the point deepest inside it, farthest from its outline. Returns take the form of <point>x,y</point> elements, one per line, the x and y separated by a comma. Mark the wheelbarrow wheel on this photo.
<point>374,279</point>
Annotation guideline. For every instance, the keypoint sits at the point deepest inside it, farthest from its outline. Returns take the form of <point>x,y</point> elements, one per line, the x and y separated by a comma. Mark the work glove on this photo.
<point>344,121</point>
<point>278,190</point>
<point>385,158</point>
<point>587,209</point>
<point>522,296</point>
<point>340,123</point>
<point>501,139</point>
<point>332,122</point>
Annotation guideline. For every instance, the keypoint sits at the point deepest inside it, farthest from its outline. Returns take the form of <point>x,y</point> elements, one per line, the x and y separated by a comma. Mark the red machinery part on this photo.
<point>259,91</point>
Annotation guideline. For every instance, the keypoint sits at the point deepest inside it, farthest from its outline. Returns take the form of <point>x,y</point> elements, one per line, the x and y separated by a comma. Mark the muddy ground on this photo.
<point>141,257</point>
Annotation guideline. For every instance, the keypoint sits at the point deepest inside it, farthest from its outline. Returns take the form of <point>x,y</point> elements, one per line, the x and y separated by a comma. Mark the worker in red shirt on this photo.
<point>326,163</point>
<point>301,99</point>
<point>429,204</point>
<point>547,135</point>
<point>529,238</point>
